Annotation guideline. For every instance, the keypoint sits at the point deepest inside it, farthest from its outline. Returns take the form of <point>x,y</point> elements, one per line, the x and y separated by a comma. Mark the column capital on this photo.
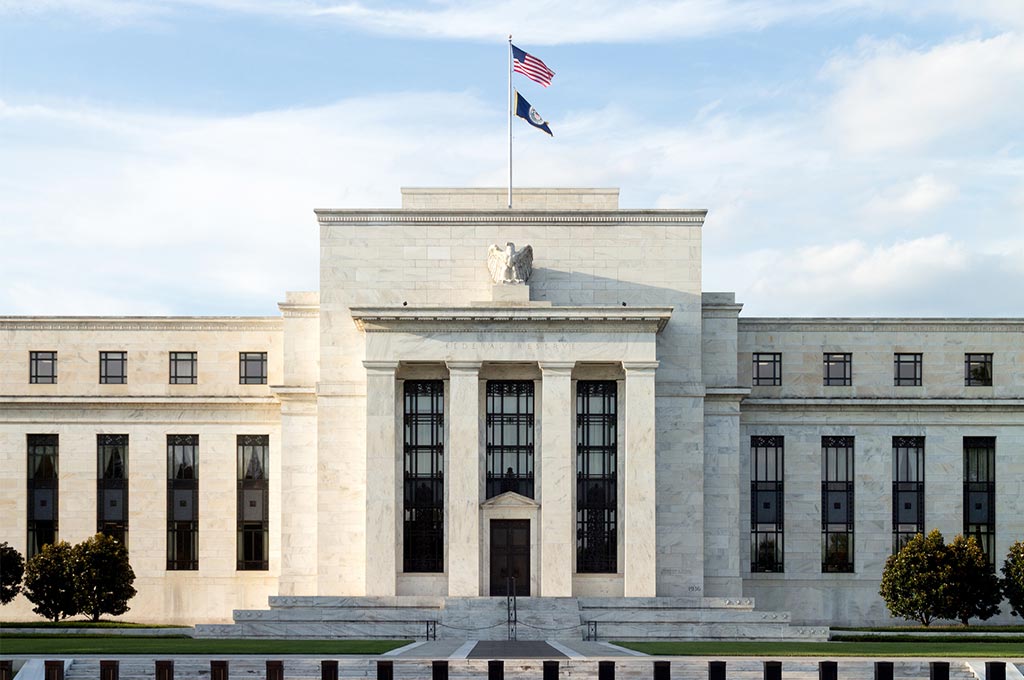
<point>463,366</point>
<point>556,367</point>
<point>381,367</point>
<point>639,367</point>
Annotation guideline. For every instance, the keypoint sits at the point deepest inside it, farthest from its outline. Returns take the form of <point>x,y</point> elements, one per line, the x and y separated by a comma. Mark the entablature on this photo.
<point>511,319</point>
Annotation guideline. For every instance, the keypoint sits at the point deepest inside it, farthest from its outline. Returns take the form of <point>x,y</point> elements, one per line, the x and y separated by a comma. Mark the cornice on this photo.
<point>21,401</point>
<point>881,404</point>
<point>891,324</point>
<point>140,323</point>
<point>511,319</point>
<point>530,217</point>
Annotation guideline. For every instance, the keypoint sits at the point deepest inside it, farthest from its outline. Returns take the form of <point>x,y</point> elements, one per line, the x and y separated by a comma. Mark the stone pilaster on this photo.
<point>463,478</point>
<point>556,480</point>
<point>381,483</point>
<point>639,525</point>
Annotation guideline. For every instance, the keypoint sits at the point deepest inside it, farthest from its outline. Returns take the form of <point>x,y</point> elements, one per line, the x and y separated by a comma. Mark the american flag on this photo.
<point>531,67</point>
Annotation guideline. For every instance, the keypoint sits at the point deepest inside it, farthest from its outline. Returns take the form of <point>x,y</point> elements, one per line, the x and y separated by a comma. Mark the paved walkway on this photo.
<point>505,649</point>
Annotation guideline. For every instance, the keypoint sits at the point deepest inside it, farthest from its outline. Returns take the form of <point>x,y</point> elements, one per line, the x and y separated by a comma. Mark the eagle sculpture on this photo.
<point>507,265</point>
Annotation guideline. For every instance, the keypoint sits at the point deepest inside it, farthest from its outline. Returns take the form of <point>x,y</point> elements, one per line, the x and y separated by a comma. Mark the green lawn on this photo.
<point>929,648</point>
<point>956,628</point>
<point>82,624</point>
<point>11,645</point>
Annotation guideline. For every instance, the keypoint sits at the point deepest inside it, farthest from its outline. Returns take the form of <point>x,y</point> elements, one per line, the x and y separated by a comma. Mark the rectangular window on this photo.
<point>183,368</point>
<point>767,369</point>
<point>252,368</point>
<point>112,486</point>
<point>42,492</point>
<point>423,479</point>
<point>906,370</point>
<point>596,477</point>
<point>980,493</point>
<point>253,497</point>
<point>766,504</point>
<point>509,424</point>
<point>907,489</point>
<point>42,368</point>
<point>113,368</point>
<point>838,368</point>
<point>837,504</point>
<point>977,370</point>
<point>182,502</point>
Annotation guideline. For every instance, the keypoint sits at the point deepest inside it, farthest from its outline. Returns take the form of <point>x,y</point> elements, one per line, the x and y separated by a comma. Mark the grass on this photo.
<point>180,644</point>
<point>928,648</point>
<point>83,624</point>
<point>937,629</point>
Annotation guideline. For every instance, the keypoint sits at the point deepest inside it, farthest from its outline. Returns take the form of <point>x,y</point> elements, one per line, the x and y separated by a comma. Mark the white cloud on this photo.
<point>922,195</point>
<point>893,99</point>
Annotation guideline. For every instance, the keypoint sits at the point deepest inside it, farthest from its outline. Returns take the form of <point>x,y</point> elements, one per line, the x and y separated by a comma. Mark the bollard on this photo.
<point>995,670</point>
<point>165,670</point>
<point>662,670</point>
<point>938,670</point>
<point>496,669</point>
<point>6,669</point>
<point>218,670</point>
<point>110,670</point>
<point>883,670</point>
<point>275,670</point>
<point>385,670</point>
<point>828,670</point>
<point>716,670</point>
<point>329,670</point>
<point>53,670</point>
<point>605,670</point>
<point>772,670</point>
<point>550,670</point>
<point>439,670</point>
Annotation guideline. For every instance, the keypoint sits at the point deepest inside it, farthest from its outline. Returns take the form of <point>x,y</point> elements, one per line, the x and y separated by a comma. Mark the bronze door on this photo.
<point>510,556</point>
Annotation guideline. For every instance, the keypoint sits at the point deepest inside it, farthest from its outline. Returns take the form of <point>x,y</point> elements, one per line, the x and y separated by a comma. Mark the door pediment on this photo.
<point>510,500</point>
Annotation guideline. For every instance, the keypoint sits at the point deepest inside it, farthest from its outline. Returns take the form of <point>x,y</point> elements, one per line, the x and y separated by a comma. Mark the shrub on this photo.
<point>103,580</point>
<point>12,568</point>
<point>974,590</point>
<point>916,579</point>
<point>49,581</point>
<point>1013,578</point>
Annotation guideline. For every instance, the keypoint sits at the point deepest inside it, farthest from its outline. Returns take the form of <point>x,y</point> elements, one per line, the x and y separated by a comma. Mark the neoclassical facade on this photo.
<point>580,416</point>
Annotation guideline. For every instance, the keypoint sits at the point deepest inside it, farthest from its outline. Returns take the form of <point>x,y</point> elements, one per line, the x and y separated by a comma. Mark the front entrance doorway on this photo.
<point>510,556</point>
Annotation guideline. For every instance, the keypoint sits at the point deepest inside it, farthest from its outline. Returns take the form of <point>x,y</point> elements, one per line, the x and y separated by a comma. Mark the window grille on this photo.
<point>183,368</point>
<point>767,368</point>
<point>42,368</point>
<point>423,529</point>
<point>253,499</point>
<point>596,477</point>
<point>43,490</point>
<point>907,489</point>
<point>906,370</point>
<point>112,486</point>
<point>252,368</point>
<point>182,502</point>
<point>980,493</point>
<point>510,441</point>
<point>837,504</point>
<point>766,504</point>
<point>838,369</point>
<point>113,368</point>
<point>977,370</point>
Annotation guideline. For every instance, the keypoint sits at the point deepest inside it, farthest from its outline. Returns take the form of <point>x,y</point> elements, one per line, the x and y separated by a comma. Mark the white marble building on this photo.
<point>415,429</point>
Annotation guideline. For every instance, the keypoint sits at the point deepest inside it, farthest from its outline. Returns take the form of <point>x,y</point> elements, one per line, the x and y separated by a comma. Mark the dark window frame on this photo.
<point>767,481</point>
<point>423,476</point>
<point>980,487</point>
<point>831,361</point>
<point>772,360</point>
<point>110,359</point>
<point>901,360</point>
<point>175,362</point>
<point>246,361</point>
<point>908,479</point>
<point>978,369</point>
<point>183,535</point>
<point>837,477</point>
<point>112,486</point>
<point>253,538</point>
<point>597,477</point>
<point>43,477</point>
<point>506,460</point>
<point>36,360</point>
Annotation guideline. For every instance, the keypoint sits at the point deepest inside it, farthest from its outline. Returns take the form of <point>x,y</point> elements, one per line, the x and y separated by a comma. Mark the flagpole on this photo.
<point>510,121</point>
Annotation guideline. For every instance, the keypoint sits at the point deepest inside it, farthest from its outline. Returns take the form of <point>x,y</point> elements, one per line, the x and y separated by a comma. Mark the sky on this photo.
<point>856,157</point>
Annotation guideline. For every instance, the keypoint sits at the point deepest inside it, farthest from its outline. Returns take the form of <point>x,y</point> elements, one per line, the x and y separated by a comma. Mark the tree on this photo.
<point>12,568</point>
<point>103,580</point>
<point>1013,578</point>
<point>974,590</point>
<point>49,581</point>
<point>916,579</point>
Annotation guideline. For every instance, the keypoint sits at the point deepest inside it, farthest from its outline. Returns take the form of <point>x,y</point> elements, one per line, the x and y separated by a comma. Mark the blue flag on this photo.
<point>530,115</point>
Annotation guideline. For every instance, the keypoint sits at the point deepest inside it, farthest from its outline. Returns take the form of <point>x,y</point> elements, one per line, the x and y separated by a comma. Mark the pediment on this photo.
<point>510,499</point>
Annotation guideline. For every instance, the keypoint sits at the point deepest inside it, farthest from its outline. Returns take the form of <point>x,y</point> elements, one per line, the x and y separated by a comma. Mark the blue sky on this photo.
<point>858,157</point>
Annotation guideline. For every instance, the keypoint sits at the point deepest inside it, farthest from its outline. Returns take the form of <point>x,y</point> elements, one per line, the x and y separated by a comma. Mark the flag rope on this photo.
<point>510,121</point>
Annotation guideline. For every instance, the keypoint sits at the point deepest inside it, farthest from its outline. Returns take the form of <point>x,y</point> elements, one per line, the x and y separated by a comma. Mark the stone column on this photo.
<point>463,478</point>
<point>381,481</point>
<point>638,527</point>
<point>556,480</point>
